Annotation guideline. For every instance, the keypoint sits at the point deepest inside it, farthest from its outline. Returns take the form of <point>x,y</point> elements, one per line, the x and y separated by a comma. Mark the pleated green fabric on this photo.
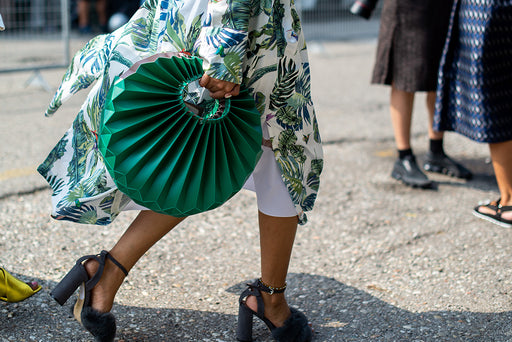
<point>168,156</point>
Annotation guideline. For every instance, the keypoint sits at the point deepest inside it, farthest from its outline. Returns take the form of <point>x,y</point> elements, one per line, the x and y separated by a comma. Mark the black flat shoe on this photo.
<point>441,163</point>
<point>294,329</point>
<point>407,171</point>
<point>102,325</point>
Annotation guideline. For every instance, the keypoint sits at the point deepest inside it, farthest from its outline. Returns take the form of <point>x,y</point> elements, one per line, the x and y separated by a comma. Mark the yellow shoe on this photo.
<point>14,290</point>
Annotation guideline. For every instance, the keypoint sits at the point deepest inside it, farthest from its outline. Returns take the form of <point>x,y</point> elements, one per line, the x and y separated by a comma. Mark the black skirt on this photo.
<point>411,39</point>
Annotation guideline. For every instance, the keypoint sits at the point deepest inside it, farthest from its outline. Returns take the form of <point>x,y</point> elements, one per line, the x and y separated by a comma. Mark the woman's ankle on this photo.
<point>506,200</point>
<point>276,308</point>
<point>273,300</point>
<point>103,294</point>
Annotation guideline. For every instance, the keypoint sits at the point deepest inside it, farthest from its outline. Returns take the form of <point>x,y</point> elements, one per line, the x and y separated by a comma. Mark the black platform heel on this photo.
<point>101,325</point>
<point>294,329</point>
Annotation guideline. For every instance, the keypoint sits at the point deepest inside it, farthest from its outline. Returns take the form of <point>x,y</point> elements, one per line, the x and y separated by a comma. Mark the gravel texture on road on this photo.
<point>377,261</point>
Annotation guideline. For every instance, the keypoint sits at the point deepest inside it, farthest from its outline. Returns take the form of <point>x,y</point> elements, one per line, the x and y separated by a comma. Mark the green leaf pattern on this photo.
<point>257,43</point>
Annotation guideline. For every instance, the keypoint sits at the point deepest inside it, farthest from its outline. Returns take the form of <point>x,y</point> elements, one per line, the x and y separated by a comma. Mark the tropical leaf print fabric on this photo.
<point>255,43</point>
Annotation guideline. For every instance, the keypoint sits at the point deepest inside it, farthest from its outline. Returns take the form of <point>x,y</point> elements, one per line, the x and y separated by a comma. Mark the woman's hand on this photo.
<point>219,89</point>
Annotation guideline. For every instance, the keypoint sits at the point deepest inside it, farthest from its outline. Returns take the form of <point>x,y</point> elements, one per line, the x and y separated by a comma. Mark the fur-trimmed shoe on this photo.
<point>102,325</point>
<point>294,329</point>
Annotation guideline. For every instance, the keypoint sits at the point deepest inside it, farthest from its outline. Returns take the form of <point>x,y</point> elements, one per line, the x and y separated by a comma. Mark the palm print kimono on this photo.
<point>258,44</point>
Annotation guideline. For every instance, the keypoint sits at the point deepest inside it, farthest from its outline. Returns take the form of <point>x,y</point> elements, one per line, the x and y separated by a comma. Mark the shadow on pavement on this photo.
<point>483,175</point>
<point>337,311</point>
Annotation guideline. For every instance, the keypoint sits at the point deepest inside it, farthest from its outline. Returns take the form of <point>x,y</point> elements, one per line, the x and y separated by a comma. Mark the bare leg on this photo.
<point>405,167</point>
<point>431,104</point>
<point>101,10</point>
<point>401,105</point>
<point>501,154</point>
<point>277,235</point>
<point>83,7</point>
<point>147,229</point>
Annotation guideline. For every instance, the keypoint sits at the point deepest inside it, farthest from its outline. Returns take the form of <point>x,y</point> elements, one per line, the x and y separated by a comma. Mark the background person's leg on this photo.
<point>405,168</point>
<point>431,108</point>
<point>436,160</point>
<point>501,154</point>
<point>401,105</point>
<point>101,11</point>
<point>83,8</point>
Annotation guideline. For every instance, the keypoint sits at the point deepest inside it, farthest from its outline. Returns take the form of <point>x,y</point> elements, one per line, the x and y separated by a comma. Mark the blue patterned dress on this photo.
<point>259,44</point>
<point>474,95</point>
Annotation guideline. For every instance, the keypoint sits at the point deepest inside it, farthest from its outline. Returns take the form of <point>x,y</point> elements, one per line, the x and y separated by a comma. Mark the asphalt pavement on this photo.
<point>378,261</point>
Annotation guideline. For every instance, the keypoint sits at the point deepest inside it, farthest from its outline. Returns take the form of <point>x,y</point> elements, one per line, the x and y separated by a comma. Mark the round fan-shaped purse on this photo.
<point>170,156</point>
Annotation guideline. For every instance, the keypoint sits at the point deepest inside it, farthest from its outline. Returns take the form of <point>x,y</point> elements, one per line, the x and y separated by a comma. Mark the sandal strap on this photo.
<point>259,301</point>
<point>269,289</point>
<point>493,205</point>
<point>504,208</point>
<point>253,290</point>
<point>117,263</point>
<point>499,208</point>
<point>96,277</point>
<point>100,258</point>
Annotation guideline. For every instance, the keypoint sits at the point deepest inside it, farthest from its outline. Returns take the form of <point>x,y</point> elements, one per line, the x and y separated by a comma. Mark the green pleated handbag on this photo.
<point>167,155</point>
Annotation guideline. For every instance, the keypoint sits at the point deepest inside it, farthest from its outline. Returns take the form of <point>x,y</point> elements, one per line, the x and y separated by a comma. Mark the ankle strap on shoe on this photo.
<point>117,263</point>
<point>269,289</point>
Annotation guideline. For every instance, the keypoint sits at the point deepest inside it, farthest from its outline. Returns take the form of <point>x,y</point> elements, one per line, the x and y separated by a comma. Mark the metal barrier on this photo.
<point>39,30</point>
<point>328,20</point>
<point>36,35</point>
